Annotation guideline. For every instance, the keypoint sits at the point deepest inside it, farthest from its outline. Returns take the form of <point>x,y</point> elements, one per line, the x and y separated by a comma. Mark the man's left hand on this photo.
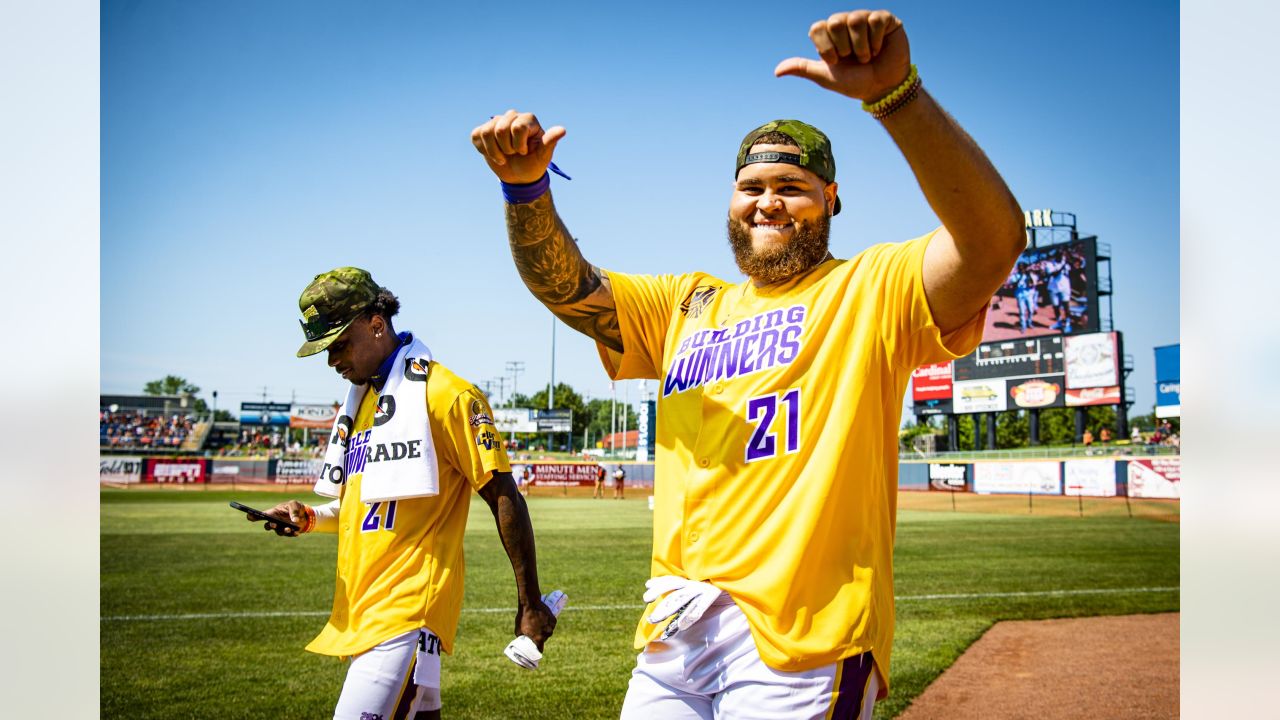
<point>865,55</point>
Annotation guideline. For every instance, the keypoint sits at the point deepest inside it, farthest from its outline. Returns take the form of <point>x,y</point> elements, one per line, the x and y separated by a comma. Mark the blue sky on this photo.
<point>247,146</point>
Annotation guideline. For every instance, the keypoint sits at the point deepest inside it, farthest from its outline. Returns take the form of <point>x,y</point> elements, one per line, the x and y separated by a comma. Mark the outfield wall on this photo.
<point>1153,477</point>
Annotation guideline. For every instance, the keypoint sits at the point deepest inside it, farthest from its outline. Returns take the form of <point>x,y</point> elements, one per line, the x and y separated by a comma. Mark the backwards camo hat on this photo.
<point>815,150</point>
<point>330,303</point>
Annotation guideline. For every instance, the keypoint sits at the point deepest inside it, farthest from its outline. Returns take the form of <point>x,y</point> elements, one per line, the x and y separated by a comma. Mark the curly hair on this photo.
<point>774,137</point>
<point>385,304</point>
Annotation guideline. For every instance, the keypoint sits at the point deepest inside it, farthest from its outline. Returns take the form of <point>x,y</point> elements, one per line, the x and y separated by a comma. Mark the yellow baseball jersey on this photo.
<point>777,440</point>
<point>400,563</point>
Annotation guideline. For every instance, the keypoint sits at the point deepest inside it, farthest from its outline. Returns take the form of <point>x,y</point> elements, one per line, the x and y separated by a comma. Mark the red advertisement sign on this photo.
<point>1094,396</point>
<point>931,382</point>
<point>1158,477</point>
<point>557,475</point>
<point>174,470</point>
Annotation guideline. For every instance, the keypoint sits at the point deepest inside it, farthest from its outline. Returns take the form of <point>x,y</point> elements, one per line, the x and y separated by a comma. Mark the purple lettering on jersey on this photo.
<point>789,347</point>
<point>371,519</point>
<point>356,451</point>
<point>768,353</point>
<point>749,353</point>
<point>763,444</point>
<point>762,342</point>
<point>762,410</point>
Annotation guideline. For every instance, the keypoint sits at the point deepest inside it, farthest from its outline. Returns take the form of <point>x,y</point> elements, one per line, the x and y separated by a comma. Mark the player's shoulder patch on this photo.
<point>698,299</point>
<point>478,413</point>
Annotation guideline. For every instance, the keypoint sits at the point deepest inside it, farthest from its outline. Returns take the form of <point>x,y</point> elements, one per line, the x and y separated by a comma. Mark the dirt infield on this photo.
<point>1104,667</point>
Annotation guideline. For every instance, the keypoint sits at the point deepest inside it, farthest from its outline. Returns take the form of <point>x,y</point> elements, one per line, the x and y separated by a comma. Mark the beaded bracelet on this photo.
<point>901,95</point>
<point>900,103</point>
<point>310,523</point>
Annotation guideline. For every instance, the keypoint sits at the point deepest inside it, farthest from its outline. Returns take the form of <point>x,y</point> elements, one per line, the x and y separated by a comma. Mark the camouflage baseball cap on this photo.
<point>330,303</point>
<point>815,150</point>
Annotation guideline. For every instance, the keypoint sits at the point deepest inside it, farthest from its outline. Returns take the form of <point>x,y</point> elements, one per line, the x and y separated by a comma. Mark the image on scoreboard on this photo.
<point>1037,392</point>
<point>1052,289</point>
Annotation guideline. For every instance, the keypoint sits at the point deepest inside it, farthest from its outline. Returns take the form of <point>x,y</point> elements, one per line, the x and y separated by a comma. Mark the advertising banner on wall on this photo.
<point>972,396</point>
<point>240,471</point>
<point>1094,396</point>
<point>948,476</point>
<point>301,470</point>
<point>931,382</point>
<point>1157,477</point>
<point>1037,478</point>
<point>1037,392</point>
<point>174,470</point>
<point>1090,478</point>
<point>317,417</point>
<point>1024,357</point>
<point>119,469</point>
<point>560,474</point>
<point>515,420</point>
<point>1092,361</point>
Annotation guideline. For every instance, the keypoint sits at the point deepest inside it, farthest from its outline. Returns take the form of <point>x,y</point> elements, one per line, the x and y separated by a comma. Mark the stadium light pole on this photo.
<point>551,384</point>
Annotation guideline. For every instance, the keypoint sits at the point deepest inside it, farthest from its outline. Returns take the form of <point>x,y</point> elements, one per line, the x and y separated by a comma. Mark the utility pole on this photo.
<point>515,367</point>
<point>502,384</point>
<point>551,385</point>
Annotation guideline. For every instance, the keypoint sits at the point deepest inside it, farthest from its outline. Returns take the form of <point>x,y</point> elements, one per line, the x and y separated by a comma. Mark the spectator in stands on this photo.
<point>1104,436</point>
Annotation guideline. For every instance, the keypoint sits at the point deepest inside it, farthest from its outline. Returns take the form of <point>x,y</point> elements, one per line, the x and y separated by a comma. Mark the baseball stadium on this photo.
<point>378,376</point>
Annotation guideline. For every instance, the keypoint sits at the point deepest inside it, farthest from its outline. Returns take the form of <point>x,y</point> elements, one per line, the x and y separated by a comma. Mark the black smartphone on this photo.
<point>259,515</point>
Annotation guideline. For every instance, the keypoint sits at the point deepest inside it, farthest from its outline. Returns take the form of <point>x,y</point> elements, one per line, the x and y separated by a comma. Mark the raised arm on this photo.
<point>533,617</point>
<point>518,151</point>
<point>865,55</point>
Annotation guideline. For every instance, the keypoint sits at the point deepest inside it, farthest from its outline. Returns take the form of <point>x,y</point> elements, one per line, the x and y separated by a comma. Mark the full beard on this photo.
<point>809,245</point>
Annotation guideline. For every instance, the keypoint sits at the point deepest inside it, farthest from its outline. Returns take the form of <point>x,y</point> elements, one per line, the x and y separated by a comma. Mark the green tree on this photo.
<point>601,418</point>
<point>1057,426</point>
<point>177,385</point>
<point>1013,429</point>
<point>170,385</point>
<point>965,428</point>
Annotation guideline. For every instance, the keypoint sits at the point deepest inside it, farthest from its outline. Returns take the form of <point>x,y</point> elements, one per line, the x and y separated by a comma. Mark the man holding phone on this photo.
<point>411,442</point>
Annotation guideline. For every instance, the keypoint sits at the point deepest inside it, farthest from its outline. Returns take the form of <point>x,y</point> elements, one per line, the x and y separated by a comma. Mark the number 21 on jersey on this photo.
<point>762,411</point>
<point>378,512</point>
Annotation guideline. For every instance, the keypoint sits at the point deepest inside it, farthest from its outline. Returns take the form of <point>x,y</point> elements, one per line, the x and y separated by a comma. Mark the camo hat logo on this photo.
<point>815,150</point>
<point>330,303</point>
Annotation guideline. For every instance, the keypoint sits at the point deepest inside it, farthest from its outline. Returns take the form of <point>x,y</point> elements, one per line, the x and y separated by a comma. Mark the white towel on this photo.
<point>396,455</point>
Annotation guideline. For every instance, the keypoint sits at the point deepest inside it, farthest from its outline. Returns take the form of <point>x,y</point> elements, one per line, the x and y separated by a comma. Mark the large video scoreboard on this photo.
<point>1039,372</point>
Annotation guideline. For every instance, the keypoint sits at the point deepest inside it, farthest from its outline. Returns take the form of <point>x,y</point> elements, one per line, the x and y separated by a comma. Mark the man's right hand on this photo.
<point>293,511</point>
<point>516,147</point>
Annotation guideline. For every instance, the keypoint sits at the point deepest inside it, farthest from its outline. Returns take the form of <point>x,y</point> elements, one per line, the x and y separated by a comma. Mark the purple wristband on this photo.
<point>528,192</point>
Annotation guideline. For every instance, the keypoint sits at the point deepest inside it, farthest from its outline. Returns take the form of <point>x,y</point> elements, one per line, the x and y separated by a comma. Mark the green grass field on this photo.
<point>204,615</point>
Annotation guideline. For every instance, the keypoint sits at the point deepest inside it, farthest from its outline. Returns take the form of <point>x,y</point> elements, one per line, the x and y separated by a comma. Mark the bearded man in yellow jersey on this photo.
<point>411,442</point>
<point>776,467</point>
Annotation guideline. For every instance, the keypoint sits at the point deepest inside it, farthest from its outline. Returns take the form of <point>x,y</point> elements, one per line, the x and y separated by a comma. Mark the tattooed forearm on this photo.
<point>554,270</point>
